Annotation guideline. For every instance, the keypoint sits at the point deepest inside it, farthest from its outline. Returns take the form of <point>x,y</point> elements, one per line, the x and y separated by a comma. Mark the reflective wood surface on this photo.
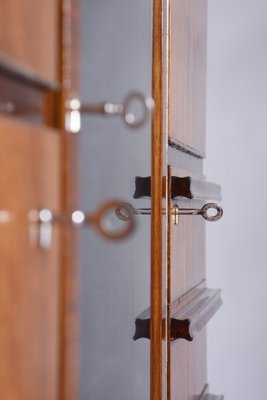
<point>29,36</point>
<point>29,276</point>
<point>188,24</point>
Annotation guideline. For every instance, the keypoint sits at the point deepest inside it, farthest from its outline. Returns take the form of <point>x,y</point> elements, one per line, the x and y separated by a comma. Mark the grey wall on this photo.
<point>115,277</point>
<point>236,150</point>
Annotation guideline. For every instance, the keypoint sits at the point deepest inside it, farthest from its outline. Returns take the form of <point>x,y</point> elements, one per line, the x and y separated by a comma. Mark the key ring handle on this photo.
<point>98,220</point>
<point>147,106</point>
<point>211,206</point>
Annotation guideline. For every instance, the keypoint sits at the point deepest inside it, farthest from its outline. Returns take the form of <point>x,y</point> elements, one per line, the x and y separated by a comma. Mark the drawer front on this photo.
<point>187,80</point>
<point>187,254</point>
<point>188,368</point>
<point>191,303</point>
<point>32,43</point>
<point>187,238</point>
<point>29,275</point>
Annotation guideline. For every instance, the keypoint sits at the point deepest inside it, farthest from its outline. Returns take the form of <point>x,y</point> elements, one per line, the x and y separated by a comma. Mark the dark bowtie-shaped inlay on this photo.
<point>188,315</point>
<point>186,187</point>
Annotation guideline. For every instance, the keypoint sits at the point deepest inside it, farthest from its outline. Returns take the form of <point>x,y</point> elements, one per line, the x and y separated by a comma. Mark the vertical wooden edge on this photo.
<point>168,198</point>
<point>69,274</point>
<point>169,284</point>
<point>156,333</point>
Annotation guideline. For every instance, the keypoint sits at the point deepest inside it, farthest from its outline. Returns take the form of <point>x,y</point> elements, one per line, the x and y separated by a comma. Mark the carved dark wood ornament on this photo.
<point>187,187</point>
<point>189,314</point>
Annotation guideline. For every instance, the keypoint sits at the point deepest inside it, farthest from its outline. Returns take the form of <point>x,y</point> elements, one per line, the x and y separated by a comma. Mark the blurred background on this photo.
<point>236,157</point>
<point>115,61</point>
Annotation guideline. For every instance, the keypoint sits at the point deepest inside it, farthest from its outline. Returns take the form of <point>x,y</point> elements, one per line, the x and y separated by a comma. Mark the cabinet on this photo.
<point>38,311</point>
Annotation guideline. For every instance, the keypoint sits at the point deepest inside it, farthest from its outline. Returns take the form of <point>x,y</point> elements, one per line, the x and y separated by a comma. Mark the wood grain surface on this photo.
<point>29,35</point>
<point>188,73</point>
<point>19,99</point>
<point>39,300</point>
<point>188,368</point>
<point>186,245</point>
<point>187,254</point>
<point>29,276</point>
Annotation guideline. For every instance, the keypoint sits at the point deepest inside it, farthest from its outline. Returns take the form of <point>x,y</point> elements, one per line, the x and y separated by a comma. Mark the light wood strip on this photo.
<point>156,214</point>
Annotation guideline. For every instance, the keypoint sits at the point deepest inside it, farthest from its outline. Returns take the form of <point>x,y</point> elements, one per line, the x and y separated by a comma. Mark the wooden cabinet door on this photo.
<point>185,304</point>
<point>29,306</point>
<point>38,308</point>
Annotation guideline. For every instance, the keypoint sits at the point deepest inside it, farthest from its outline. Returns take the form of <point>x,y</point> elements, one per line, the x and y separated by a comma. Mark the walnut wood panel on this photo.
<point>187,254</point>
<point>29,35</point>
<point>184,186</point>
<point>187,244</point>
<point>188,314</point>
<point>186,271</point>
<point>188,74</point>
<point>188,368</point>
<point>186,100</point>
<point>29,277</point>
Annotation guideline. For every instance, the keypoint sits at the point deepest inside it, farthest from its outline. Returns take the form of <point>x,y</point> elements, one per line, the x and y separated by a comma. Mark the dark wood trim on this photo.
<point>204,392</point>
<point>188,315</point>
<point>186,186</point>
<point>69,324</point>
<point>143,187</point>
<point>193,311</point>
<point>26,102</point>
<point>142,325</point>
<point>184,161</point>
<point>25,74</point>
<point>156,212</point>
<point>186,149</point>
<point>192,188</point>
